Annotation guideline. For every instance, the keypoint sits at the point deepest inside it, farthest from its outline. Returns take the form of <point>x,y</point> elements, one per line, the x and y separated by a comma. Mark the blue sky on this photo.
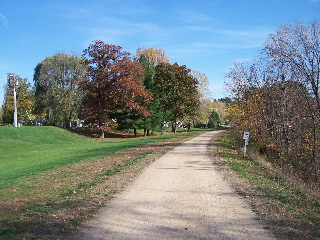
<point>204,35</point>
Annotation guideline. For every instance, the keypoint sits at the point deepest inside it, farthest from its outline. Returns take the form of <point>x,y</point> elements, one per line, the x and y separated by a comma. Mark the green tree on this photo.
<point>149,58</point>
<point>177,91</point>
<point>155,119</point>
<point>1,115</point>
<point>57,93</point>
<point>214,119</point>
<point>24,96</point>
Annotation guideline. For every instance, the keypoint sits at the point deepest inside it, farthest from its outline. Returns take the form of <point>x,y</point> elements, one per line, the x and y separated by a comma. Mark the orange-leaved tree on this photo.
<point>114,83</point>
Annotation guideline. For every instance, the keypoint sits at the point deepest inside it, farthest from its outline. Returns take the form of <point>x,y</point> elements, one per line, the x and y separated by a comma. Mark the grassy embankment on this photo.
<point>49,177</point>
<point>292,211</point>
<point>29,150</point>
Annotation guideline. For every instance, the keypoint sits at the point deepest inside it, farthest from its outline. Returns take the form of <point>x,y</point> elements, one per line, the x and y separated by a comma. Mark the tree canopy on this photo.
<point>177,91</point>
<point>114,82</point>
<point>108,89</point>
<point>57,93</point>
<point>276,97</point>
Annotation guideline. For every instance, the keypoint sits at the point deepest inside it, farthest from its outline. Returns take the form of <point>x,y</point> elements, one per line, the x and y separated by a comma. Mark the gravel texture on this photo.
<point>181,195</point>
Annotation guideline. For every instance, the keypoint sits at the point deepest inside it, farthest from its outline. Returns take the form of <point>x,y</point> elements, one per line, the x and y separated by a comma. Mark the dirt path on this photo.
<point>179,196</point>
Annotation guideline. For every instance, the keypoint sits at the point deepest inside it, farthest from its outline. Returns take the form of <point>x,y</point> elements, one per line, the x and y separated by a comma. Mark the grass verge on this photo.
<point>76,177</point>
<point>291,213</point>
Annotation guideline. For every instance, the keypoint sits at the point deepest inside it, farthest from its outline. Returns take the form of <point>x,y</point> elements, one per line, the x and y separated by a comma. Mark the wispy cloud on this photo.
<point>4,20</point>
<point>248,38</point>
<point>190,16</point>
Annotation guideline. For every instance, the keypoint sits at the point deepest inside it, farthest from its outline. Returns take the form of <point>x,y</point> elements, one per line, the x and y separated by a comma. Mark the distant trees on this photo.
<point>214,119</point>
<point>57,93</point>
<point>276,98</point>
<point>108,89</point>
<point>205,98</point>
<point>24,95</point>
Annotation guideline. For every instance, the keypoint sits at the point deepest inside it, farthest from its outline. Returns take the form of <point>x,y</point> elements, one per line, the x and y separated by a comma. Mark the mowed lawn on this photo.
<point>27,151</point>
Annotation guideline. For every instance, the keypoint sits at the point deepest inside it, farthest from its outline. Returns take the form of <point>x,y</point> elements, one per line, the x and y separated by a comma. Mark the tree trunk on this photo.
<point>101,133</point>
<point>174,127</point>
<point>189,126</point>
<point>135,132</point>
<point>101,125</point>
<point>67,124</point>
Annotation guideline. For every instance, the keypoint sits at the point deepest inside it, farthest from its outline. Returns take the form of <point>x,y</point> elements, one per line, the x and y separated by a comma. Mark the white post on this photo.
<point>245,149</point>
<point>246,137</point>
<point>15,114</point>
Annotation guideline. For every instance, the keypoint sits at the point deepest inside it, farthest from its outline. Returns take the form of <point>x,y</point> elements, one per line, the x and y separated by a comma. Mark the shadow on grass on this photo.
<point>94,132</point>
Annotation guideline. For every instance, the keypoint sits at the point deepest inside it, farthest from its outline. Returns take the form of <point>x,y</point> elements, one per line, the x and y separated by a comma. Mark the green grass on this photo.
<point>297,204</point>
<point>28,151</point>
<point>30,182</point>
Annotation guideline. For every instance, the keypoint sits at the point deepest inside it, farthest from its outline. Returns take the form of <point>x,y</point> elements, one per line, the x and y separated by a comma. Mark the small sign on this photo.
<point>246,135</point>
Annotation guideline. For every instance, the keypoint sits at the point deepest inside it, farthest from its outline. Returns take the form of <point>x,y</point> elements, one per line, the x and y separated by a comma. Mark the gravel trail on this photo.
<point>179,196</point>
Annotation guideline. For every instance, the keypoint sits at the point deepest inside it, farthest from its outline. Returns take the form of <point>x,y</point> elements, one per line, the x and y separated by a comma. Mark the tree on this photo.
<point>149,58</point>
<point>1,115</point>
<point>57,92</point>
<point>113,84</point>
<point>155,118</point>
<point>220,107</point>
<point>293,51</point>
<point>155,56</point>
<point>203,84</point>
<point>214,119</point>
<point>276,98</point>
<point>24,96</point>
<point>177,91</point>
<point>204,97</point>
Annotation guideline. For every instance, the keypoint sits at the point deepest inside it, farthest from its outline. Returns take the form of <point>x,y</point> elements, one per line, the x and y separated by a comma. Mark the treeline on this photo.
<point>108,88</point>
<point>276,98</point>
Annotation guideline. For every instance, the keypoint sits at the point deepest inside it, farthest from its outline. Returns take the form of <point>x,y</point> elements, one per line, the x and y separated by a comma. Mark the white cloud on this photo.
<point>4,20</point>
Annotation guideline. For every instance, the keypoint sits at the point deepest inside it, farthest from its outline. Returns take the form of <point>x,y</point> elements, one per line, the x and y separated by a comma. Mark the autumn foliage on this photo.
<point>114,82</point>
<point>106,88</point>
<point>276,98</point>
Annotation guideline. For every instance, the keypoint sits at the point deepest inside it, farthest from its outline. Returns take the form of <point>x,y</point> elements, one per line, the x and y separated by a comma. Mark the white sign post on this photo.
<point>246,137</point>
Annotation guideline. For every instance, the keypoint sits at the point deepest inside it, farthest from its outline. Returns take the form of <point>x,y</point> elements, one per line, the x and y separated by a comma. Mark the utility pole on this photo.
<point>15,113</point>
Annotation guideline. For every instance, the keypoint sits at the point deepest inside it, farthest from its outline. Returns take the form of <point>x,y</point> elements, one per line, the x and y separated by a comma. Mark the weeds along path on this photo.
<point>179,196</point>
